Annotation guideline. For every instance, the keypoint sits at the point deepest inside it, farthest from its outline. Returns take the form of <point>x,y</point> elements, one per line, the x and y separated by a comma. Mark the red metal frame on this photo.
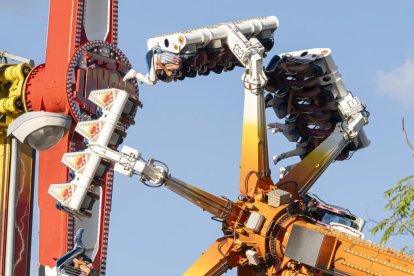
<point>46,90</point>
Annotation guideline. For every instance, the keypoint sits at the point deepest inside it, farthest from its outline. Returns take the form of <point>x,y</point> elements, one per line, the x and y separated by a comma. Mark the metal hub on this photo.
<point>96,65</point>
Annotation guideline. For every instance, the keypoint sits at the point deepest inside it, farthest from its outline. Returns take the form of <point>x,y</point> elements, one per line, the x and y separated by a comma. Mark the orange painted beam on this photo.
<point>214,260</point>
<point>254,164</point>
<point>47,91</point>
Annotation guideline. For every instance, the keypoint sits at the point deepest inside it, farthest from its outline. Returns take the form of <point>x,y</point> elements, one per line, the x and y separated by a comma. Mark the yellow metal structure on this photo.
<point>12,79</point>
<point>12,83</point>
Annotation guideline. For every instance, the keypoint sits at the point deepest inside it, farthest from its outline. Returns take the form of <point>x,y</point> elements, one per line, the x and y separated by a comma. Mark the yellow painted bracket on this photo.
<point>12,79</point>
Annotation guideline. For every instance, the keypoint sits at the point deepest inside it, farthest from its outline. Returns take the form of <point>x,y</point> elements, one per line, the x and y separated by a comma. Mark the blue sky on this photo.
<point>195,125</point>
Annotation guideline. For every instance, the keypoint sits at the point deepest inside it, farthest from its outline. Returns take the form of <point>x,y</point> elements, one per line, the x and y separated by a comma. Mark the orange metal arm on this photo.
<point>214,261</point>
<point>355,256</point>
<point>304,175</point>
<point>301,178</point>
<point>343,253</point>
<point>254,164</point>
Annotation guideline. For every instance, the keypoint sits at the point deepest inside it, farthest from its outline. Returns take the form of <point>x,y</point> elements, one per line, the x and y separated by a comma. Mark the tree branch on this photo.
<point>406,138</point>
<point>407,229</point>
<point>402,221</point>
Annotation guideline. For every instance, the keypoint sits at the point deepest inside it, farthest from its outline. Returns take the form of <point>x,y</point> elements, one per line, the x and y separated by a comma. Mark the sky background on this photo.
<point>195,125</point>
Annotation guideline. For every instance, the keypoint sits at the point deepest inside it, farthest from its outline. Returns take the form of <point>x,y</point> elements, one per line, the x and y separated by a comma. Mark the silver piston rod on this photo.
<point>129,162</point>
<point>216,206</point>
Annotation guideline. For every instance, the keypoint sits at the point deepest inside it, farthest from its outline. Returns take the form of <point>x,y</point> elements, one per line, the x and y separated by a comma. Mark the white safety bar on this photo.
<point>213,36</point>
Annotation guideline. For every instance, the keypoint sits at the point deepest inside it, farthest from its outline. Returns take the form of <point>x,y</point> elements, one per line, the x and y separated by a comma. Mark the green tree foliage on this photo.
<point>401,205</point>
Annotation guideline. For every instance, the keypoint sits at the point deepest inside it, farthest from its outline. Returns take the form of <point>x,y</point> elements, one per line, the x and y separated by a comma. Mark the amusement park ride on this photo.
<point>75,110</point>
